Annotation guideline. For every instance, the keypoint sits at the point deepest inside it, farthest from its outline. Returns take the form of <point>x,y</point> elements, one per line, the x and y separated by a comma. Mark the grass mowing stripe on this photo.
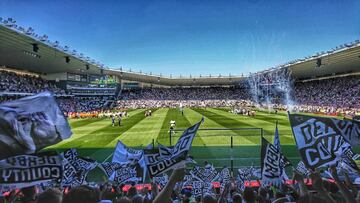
<point>285,133</point>
<point>193,118</point>
<point>143,132</point>
<point>181,122</point>
<point>108,146</point>
<point>125,125</point>
<point>82,122</point>
<point>215,138</point>
<point>266,117</point>
<point>99,137</point>
<point>229,123</point>
<point>85,130</point>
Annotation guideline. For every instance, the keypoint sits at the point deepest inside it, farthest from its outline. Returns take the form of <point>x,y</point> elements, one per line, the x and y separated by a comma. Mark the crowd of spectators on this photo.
<point>207,93</point>
<point>132,104</point>
<point>340,95</point>
<point>184,97</point>
<point>81,104</point>
<point>320,190</point>
<point>11,82</point>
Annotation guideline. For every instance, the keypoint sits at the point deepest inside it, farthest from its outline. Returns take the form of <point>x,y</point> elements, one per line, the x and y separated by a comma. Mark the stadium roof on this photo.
<point>17,51</point>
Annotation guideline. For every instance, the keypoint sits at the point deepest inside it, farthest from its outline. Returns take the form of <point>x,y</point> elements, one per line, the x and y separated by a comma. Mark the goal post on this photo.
<point>232,147</point>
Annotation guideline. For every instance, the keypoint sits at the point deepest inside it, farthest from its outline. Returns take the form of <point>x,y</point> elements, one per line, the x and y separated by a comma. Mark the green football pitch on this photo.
<point>96,138</point>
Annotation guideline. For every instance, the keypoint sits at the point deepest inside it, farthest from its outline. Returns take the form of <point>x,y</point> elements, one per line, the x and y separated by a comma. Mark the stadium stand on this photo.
<point>335,95</point>
<point>15,83</point>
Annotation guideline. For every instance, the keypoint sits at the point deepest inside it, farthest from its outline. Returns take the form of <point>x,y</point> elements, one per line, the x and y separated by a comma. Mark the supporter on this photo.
<point>28,195</point>
<point>249,195</point>
<point>24,83</point>
<point>51,195</point>
<point>82,193</point>
<point>334,96</point>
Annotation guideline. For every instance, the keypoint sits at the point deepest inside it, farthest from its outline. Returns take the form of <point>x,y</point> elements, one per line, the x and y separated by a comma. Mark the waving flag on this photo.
<point>28,170</point>
<point>301,168</point>
<point>272,164</point>
<point>30,124</point>
<point>75,168</point>
<point>278,146</point>
<point>178,153</point>
<point>124,154</point>
<point>240,182</point>
<point>161,180</point>
<point>322,141</point>
<point>131,172</point>
<point>276,138</point>
<point>109,168</point>
<point>224,178</point>
<point>208,174</point>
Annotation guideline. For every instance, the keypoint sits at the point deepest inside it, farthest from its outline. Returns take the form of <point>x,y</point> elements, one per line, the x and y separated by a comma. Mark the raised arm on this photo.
<point>300,180</point>
<point>347,194</point>
<point>165,194</point>
<point>317,184</point>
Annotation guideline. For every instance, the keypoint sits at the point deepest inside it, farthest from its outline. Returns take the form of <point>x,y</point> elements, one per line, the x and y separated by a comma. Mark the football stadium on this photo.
<point>210,120</point>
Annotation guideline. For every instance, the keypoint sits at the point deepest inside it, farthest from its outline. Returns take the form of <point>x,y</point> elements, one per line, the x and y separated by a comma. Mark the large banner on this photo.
<point>178,155</point>
<point>30,124</point>
<point>321,140</point>
<point>75,168</point>
<point>272,164</point>
<point>28,170</point>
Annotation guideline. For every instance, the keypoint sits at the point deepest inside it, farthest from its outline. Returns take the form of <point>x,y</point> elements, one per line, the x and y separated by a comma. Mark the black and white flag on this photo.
<point>301,168</point>
<point>272,164</point>
<point>179,154</point>
<point>152,156</point>
<point>75,168</point>
<point>224,178</point>
<point>322,141</point>
<point>350,130</point>
<point>127,155</point>
<point>110,167</point>
<point>124,154</point>
<point>201,188</point>
<point>28,170</point>
<point>347,160</point>
<point>246,173</point>
<point>165,152</point>
<point>278,146</point>
<point>240,182</point>
<point>187,181</point>
<point>30,124</point>
<point>277,138</point>
<point>161,180</point>
<point>128,173</point>
<point>207,174</point>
